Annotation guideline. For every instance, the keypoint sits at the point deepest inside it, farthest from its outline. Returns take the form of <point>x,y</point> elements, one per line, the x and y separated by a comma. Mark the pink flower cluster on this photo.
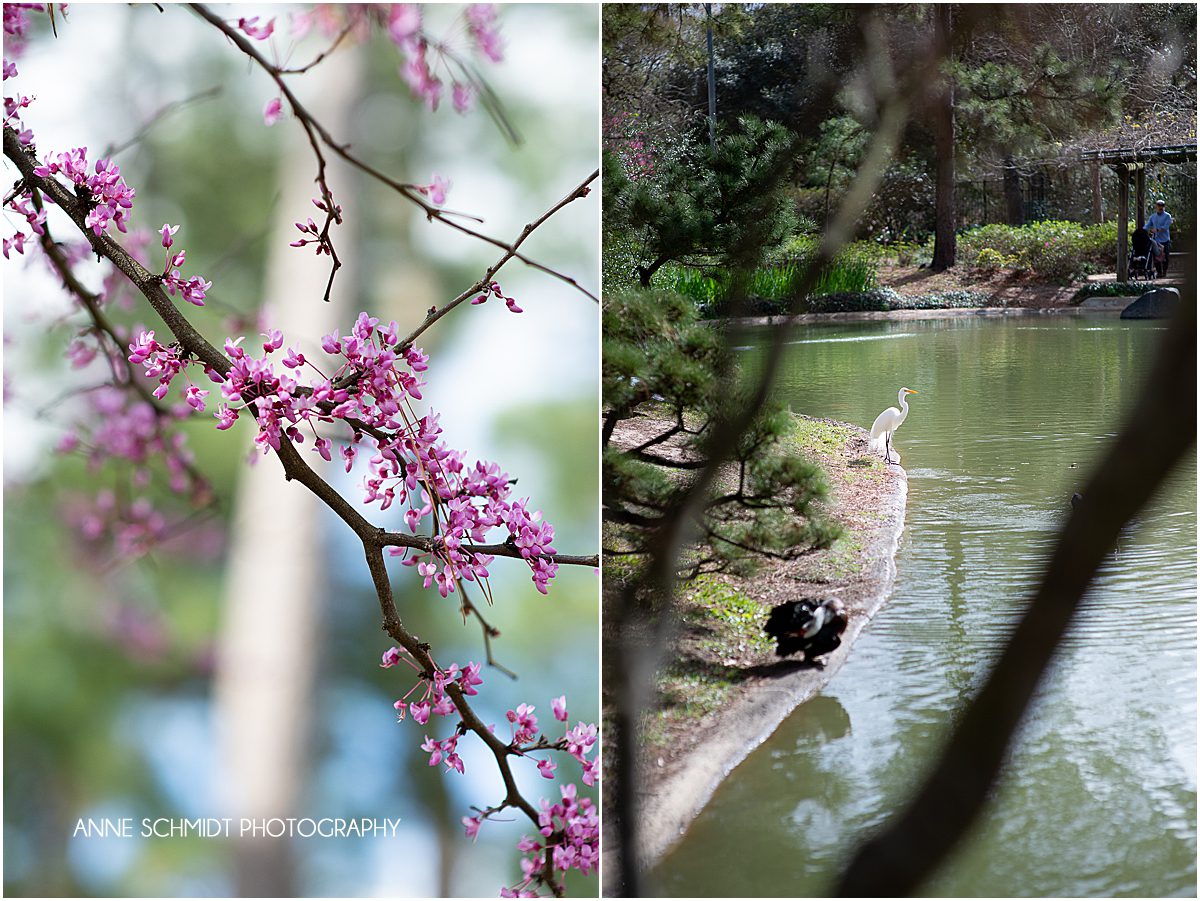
<point>12,109</point>
<point>192,290</point>
<point>426,61</point>
<point>404,28</point>
<point>570,831</point>
<point>35,219</point>
<point>127,428</point>
<point>493,290</point>
<point>632,145</point>
<point>16,23</point>
<point>134,528</point>
<point>481,25</point>
<point>373,388</point>
<point>434,700</point>
<point>124,429</point>
<point>313,232</point>
<point>107,196</point>
<point>164,363</point>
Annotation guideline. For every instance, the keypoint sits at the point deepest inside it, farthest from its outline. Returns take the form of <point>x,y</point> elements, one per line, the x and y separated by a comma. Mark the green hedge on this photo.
<point>874,300</point>
<point>1114,289</point>
<point>1054,249</point>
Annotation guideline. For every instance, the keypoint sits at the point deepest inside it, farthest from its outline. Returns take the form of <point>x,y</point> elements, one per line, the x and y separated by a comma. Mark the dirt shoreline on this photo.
<point>870,502</point>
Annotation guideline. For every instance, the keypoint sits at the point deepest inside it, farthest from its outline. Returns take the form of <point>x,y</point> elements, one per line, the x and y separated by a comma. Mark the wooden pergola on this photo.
<point>1127,161</point>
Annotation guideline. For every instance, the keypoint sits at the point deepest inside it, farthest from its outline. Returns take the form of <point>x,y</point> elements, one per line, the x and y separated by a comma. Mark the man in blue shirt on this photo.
<point>1158,226</point>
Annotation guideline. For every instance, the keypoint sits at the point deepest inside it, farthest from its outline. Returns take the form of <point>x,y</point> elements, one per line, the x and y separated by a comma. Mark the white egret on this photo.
<point>886,423</point>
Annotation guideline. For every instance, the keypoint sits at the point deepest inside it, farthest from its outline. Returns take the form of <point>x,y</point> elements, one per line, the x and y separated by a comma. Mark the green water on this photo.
<point>1099,795</point>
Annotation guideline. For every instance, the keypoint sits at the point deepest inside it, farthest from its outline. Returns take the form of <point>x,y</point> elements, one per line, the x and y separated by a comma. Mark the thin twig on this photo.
<point>317,134</point>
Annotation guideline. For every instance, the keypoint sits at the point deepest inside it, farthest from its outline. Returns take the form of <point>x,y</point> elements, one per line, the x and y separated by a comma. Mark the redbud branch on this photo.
<point>295,468</point>
<point>470,720</point>
<point>325,53</point>
<point>315,129</point>
<point>581,190</point>
<point>105,328</point>
<point>147,282</point>
<point>194,343</point>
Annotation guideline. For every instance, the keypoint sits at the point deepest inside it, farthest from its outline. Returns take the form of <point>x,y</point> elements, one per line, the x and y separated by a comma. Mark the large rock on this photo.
<point>1157,304</point>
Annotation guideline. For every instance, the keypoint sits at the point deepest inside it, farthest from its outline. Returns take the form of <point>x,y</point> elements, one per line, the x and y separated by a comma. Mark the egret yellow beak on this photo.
<point>910,391</point>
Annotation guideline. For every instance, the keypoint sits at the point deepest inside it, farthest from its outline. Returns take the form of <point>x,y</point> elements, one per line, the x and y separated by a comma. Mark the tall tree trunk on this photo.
<point>1014,207</point>
<point>944,248</point>
<point>270,634</point>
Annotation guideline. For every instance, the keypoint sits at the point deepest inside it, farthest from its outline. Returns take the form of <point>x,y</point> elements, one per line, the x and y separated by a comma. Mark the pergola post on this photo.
<point>1097,202</point>
<point>1122,222</point>
<point>1140,182</point>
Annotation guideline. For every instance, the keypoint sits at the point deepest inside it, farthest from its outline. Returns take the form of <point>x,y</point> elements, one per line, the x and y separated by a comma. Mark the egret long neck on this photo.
<point>902,399</point>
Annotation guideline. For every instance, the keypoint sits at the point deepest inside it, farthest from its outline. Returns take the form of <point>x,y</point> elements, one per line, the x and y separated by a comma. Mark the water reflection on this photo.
<point>1099,795</point>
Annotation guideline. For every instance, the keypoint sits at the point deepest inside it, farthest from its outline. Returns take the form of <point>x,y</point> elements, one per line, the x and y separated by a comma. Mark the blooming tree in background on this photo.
<point>363,400</point>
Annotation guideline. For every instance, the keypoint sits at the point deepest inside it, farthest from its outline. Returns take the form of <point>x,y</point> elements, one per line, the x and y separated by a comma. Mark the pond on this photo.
<point>1099,794</point>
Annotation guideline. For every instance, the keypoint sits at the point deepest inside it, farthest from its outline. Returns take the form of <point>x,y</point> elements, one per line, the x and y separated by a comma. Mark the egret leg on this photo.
<point>887,448</point>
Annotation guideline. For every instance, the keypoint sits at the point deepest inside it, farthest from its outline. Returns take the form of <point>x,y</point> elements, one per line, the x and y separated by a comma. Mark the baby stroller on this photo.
<point>1143,250</point>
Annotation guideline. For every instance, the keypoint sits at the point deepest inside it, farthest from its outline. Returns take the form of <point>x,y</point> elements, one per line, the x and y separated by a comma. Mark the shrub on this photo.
<point>620,261</point>
<point>944,300</point>
<point>1114,289</point>
<point>874,300</point>
<point>1053,249</point>
<point>990,259</point>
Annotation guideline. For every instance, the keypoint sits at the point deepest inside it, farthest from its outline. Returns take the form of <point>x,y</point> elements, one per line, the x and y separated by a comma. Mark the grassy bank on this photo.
<point>721,644</point>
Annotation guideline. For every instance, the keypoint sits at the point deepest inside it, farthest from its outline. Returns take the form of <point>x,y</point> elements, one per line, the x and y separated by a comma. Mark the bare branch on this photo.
<point>318,135</point>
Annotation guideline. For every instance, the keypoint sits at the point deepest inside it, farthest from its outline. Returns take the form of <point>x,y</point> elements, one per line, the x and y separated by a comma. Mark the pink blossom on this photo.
<point>481,19</point>
<point>546,768</point>
<point>226,417</point>
<point>559,706</point>
<point>580,739</point>
<point>420,78</point>
<point>464,97</point>
<point>436,190</point>
<point>390,657</point>
<point>524,721</point>
<point>273,110</point>
<point>404,22</point>
<point>274,340</point>
<point>195,398</point>
<point>80,353</point>
<point>471,825</point>
<point>259,34</point>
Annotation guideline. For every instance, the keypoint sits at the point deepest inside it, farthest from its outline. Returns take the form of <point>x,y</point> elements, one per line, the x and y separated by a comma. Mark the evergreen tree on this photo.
<point>668,378</point>
<point>727,201</point>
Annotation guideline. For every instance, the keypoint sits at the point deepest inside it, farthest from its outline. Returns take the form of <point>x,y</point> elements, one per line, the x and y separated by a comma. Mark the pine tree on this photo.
<point>668,379</point>
<point>727,202</point>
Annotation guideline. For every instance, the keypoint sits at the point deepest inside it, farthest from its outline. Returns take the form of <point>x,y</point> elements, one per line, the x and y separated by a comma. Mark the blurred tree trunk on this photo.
<point>270,640</point>
<point>944,249</point>
<point>1014,207</point>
